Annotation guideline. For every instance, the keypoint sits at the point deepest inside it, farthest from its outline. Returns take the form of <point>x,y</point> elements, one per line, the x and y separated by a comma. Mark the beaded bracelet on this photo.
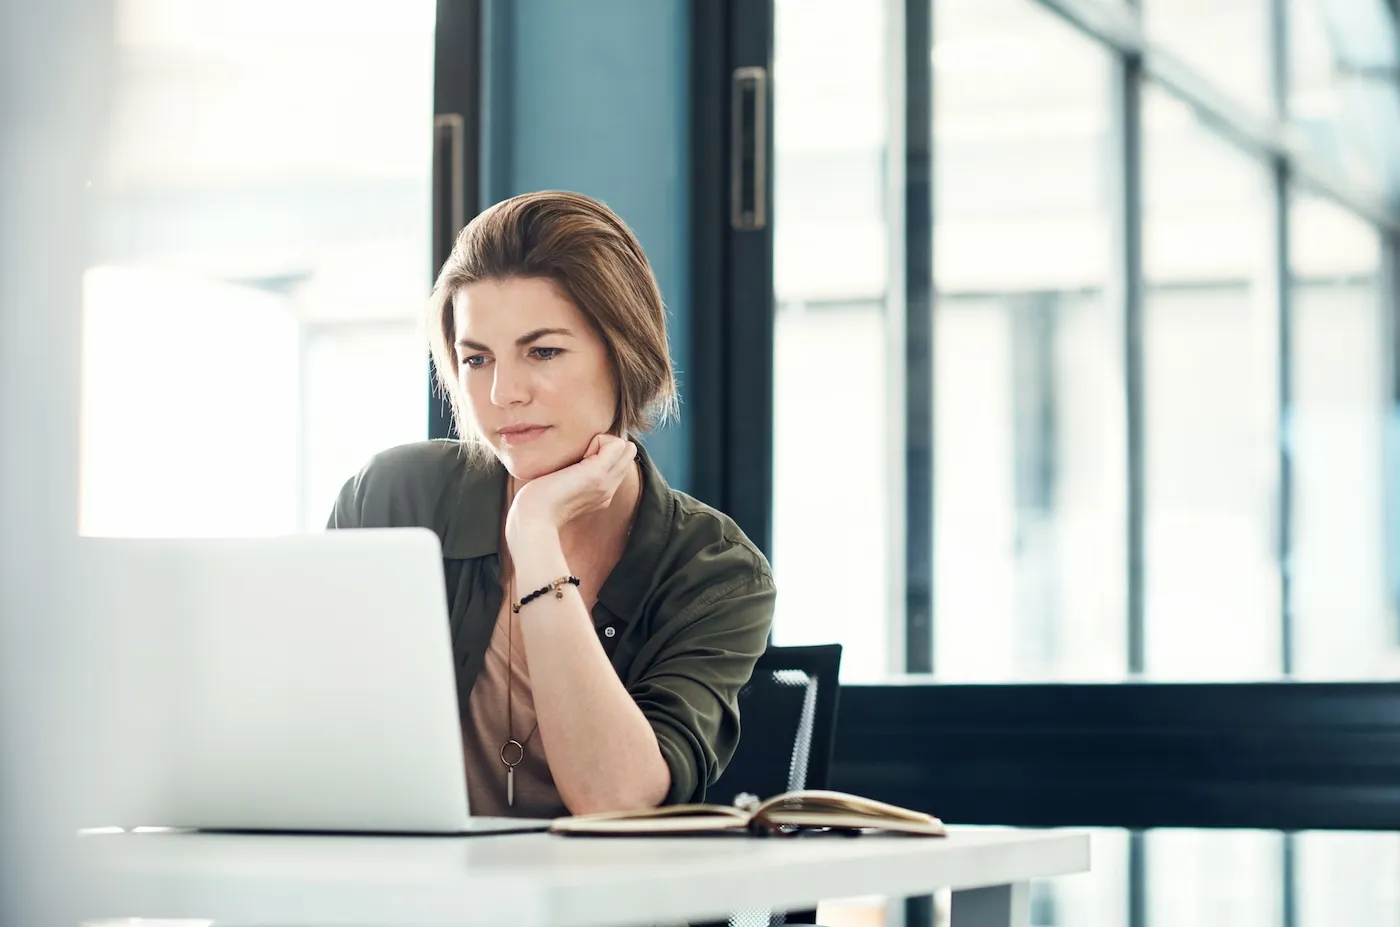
<point>556,587</point>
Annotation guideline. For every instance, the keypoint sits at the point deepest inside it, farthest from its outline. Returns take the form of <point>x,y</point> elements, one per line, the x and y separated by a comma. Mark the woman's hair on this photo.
<point>597,263</point>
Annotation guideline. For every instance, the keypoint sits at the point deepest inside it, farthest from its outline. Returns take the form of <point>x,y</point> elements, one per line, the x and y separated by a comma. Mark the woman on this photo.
<point>602,622</point>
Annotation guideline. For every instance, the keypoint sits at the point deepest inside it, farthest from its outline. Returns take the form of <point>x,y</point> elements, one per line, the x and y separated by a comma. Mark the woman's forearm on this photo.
<point>601,748</point>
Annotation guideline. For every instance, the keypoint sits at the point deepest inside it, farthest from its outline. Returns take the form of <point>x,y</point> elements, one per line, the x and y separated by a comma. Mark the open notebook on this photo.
<point>786,814</point>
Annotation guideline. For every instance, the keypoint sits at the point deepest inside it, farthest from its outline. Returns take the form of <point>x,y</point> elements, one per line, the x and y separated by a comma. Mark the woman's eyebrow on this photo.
<point>527,338</point>
<point>539,333</point>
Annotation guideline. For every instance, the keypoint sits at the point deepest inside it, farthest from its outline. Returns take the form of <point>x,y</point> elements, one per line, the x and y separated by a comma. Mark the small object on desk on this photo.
<point>747,801</point>
<point>789,814</point>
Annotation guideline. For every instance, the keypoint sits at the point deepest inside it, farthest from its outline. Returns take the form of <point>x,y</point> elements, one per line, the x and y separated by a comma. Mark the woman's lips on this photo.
<point>516,435</point>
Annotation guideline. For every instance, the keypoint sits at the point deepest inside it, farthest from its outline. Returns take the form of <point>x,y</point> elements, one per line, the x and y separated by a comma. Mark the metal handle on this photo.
<point>748,169</point>
<point>449,207</point>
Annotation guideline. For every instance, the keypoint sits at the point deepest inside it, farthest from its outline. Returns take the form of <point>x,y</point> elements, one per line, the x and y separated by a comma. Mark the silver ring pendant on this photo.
<point>519,752</point>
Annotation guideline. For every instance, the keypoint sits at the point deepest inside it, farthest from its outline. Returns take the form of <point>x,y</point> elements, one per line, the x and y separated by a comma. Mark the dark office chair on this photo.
<point>788,718</point>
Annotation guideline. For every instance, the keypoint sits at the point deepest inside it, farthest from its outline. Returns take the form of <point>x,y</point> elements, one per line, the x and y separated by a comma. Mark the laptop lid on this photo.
<point>299,683</point>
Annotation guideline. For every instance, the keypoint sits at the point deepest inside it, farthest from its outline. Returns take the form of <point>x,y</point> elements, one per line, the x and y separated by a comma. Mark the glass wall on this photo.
<point>1210,415</point>
<point>252,322</point>
<point>1030,411</point>
<point>1344,618</point>
<point>1225,41</point>
<point>1219,878</point>
<point>1340,112</point>
<point>1028,448</point>
<point>832,409</point>
<point>1030,453</point>
<point>1345,877</point>
<point>1267,537</point>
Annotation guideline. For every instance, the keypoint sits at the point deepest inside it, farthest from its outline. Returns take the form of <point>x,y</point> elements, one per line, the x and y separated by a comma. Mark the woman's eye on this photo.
<point>546,353</point>
<point>475,361</point>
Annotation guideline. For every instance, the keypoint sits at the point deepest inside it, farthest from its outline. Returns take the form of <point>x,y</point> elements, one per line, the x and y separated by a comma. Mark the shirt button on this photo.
<point>610,632</point>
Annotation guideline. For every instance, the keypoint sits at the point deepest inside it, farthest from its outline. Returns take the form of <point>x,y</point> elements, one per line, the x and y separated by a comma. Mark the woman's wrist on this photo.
<point>536,554</point>
<point>525,533</point>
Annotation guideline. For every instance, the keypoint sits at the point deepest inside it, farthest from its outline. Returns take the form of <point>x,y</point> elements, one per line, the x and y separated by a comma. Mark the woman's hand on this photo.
<point>551,502</point>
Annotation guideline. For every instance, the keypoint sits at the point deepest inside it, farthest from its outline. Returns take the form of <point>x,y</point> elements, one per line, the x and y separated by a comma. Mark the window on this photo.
<point>830,244</point>
<point>1210,417</point>
<point>1347,124</point>
<point>1345,877</point>
<point>251,322</point>
<point>1028,444</point>
<point>1226,43</point>
<point>1243,570</point>
<point>1341,430</point>
<point>1214,878</point>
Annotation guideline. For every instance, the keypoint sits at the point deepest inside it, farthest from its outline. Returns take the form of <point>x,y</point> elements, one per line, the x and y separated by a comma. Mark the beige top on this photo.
<point>485,733</point>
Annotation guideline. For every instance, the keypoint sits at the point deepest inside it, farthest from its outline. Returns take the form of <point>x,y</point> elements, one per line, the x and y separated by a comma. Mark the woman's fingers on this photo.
<point>615,456</point>
<point>611,449</point>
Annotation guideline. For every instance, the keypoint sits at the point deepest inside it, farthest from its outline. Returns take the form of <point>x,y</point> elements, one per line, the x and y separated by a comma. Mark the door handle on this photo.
<point>449,184</point>
<point>748,168</point>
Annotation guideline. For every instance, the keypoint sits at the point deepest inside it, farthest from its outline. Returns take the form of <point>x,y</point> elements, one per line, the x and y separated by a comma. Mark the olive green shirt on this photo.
<point>682,617</point>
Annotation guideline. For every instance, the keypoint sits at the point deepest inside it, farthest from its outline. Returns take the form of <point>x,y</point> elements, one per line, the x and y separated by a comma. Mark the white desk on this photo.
<point>538,880</point>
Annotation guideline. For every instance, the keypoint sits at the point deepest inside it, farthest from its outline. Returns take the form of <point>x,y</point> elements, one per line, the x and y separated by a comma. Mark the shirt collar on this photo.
<point>628,583</point>
<point>473,516</point>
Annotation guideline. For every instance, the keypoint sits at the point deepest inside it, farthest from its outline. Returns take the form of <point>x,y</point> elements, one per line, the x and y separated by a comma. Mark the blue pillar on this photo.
<point>594,97</point>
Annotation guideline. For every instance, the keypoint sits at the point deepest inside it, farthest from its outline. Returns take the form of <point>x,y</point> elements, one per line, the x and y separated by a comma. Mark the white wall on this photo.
<point>52,59</point>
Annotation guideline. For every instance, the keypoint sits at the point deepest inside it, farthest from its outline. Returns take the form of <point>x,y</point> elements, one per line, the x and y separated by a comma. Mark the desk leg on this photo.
<point>995,906</point>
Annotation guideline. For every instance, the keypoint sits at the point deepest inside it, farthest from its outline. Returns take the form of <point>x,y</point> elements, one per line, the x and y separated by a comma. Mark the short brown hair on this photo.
<point>587,251</point>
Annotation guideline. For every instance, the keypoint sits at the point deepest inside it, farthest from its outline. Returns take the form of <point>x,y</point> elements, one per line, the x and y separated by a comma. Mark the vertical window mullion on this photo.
<point>918,336</point>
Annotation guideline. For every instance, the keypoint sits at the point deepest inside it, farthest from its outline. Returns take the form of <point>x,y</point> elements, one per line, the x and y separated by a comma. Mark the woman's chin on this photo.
<point>529,463</point>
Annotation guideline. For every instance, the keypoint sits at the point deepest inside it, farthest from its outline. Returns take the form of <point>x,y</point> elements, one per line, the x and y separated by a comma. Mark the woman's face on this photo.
<point>535,374</point>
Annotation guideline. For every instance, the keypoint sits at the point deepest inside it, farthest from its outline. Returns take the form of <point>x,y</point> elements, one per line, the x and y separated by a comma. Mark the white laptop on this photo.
<point>289,684</point>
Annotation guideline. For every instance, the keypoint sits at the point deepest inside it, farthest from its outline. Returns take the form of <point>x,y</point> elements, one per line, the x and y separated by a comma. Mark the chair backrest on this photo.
<point>787,713</point>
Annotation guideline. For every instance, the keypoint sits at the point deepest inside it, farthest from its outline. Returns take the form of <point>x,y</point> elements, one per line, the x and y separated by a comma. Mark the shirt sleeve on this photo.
<point>690,689</point>
<point>396,487</point>
<point>346,511</point>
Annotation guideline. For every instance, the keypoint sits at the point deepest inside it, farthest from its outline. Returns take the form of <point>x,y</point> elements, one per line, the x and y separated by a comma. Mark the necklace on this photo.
<point>512,751</point>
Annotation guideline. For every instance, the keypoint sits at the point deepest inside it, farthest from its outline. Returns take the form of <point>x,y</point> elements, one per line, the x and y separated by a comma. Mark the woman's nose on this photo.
<point>508,386</point>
